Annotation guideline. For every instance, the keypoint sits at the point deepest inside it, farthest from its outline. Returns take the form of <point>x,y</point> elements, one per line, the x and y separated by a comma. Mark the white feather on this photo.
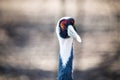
<point>65,44</point>
<point>65,50</point>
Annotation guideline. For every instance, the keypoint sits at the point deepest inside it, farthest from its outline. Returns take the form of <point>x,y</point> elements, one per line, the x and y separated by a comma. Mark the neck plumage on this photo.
<point>65,59</point>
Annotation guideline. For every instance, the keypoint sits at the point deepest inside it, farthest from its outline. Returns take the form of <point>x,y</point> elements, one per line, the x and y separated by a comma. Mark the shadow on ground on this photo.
<point>103,72</point>
<point>17,73</point>
<point>96,74</point>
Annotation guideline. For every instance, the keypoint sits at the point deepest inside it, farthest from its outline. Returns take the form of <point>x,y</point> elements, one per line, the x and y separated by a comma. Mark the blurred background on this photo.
<point>29,47</point>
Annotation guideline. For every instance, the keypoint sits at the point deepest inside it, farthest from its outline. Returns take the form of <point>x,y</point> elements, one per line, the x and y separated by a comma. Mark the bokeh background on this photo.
<point>29,47</point>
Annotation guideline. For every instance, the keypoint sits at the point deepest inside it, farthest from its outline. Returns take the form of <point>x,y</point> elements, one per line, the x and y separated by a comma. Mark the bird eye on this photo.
<point>72,21</point>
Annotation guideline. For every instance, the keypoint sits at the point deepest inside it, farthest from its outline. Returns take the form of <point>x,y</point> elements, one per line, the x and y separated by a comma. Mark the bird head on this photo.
<point>66,29</point>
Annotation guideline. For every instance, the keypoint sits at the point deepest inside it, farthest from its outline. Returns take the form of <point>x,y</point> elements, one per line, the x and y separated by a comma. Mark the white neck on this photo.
<point>65,46</point>
<point>65,49</point>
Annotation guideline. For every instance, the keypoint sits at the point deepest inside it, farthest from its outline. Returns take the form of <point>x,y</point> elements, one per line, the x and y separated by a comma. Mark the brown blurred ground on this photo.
<point>29,47</point>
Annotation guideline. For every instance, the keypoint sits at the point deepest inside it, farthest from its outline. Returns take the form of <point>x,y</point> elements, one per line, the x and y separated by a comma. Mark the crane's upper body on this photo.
<point>66,32</point>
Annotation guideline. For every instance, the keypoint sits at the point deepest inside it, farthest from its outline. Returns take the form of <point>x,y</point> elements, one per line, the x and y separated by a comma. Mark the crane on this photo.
<point>66,32</point>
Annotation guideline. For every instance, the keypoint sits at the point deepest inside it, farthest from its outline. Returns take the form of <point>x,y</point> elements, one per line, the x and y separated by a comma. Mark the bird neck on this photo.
<point>65,59</point>
<point>65,49</point>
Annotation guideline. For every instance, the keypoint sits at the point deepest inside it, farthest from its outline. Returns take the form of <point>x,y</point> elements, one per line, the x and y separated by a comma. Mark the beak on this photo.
<point>73,33</point>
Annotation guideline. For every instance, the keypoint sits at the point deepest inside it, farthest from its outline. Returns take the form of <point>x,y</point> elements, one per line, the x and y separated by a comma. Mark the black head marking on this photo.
<point>64,23</point>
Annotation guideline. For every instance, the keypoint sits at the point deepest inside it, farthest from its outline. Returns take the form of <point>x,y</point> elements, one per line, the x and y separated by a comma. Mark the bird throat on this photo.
<point>66,46</point>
